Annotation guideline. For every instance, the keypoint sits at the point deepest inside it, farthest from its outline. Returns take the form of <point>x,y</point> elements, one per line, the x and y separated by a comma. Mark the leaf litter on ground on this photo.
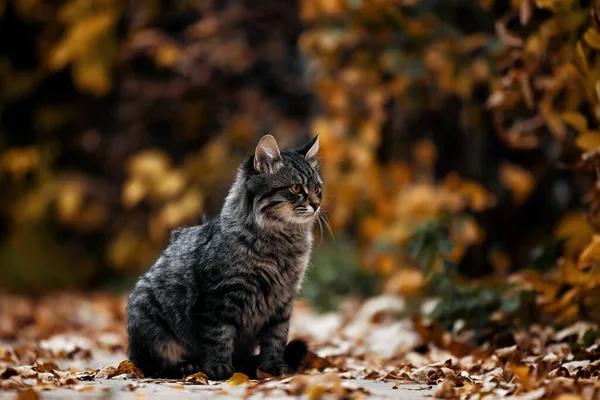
<point>364,341</point>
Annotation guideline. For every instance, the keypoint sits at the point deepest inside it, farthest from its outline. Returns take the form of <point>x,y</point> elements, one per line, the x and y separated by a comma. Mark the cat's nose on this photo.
<point>315,205</point>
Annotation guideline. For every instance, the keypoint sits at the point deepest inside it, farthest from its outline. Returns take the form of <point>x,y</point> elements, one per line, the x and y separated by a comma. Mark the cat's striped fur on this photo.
<point>224,287</point>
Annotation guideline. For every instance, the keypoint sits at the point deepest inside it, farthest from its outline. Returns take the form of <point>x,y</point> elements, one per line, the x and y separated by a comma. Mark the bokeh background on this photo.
<point>459,141</point>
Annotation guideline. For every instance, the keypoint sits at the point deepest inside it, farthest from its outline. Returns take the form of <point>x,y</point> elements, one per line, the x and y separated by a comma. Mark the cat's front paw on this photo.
<point>188,368</point>
<point>219,372</point>
<point>278,369</point>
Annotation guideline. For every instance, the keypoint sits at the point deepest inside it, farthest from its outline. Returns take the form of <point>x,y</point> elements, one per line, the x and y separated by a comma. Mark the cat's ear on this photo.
<point>310,151</point>
<point>267,157</point>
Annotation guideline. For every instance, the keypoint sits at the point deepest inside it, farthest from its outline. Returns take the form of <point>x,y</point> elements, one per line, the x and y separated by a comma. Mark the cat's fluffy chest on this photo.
<point>271,300</point>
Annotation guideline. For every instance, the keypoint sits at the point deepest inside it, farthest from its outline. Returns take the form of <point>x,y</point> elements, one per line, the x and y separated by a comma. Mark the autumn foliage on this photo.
<point>459,138</point>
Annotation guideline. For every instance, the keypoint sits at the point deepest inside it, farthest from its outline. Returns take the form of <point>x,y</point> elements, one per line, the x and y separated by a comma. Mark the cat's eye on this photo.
<point>318,189</point>
<point>296,188</point>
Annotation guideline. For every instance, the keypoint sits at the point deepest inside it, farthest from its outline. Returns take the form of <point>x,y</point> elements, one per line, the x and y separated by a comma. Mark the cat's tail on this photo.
<point>294,352</point>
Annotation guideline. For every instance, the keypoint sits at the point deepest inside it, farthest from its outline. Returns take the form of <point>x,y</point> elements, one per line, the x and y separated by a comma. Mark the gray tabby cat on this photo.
<point>225,287</point>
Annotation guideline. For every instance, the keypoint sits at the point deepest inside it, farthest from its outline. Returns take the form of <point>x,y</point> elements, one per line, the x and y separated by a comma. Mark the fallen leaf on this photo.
<point>123,367</point>
<point>263,375</point>
<point>28,394</point>
<point>238,379</point>
<point>198,378</point>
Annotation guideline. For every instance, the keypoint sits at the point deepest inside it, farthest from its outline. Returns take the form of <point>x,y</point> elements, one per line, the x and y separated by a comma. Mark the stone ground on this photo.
<point>379,390</point>
<point>116,389</point>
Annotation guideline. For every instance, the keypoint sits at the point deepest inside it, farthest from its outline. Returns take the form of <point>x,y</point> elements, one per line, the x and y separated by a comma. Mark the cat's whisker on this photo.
<point>328,225</point>
<point>321,229</point>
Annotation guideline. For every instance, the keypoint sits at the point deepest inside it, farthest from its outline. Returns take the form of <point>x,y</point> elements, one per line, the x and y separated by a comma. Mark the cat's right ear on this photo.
<point>267,157</point>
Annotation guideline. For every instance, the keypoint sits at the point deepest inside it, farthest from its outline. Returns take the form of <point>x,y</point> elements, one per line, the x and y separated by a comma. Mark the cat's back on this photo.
<point>182,255</point>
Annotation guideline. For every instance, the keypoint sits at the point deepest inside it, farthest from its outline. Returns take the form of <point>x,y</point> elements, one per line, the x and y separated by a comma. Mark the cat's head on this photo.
<point>286,185</point>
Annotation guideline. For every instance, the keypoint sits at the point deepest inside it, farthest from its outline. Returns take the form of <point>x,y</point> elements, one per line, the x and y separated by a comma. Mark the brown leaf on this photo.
<point>263,375</point>
<point>124,367</point>
<point>313,361</point>
<point>199,378</point>
<point>445,389</point>
<point>45,367</point>
<point>28,394</point>
<point>509,354</point>
<point>523,373</point>
<point>297,385</point>
<point>432,333</point>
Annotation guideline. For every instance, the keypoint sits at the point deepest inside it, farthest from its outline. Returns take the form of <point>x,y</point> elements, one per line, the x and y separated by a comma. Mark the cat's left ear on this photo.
<point>310,151</point>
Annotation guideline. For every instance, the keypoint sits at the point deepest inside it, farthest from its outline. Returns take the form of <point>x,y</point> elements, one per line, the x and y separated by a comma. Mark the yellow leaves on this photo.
<point>571,273</point>
<point>168,55</point>
<point>553,5</point>
<point>19,161</point>
<point>477,195</point>
<point>576,120</point>
<point>406,282</point>
<point>92,74</point>
<point>134,192</point>
<point>129,249</point>
<point>575,228</point>
<point>81,37</point>
<point>386,265</point>
<point>148,163</point>
<point>238,379</point>
<point>69,201</point>
<point>589,262</point>
<point>316,392</point>
<point>75,207</point>
<point>88,44</point>
<point>178,211</point>
<point>588,140</point>
<point>569,396</point>
<point>519,181</point>
<point>580,59</point>
<point>152,178</point>
<point>592,37</point>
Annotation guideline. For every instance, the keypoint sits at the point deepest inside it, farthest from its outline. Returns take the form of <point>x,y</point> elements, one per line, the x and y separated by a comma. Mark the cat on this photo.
<point>225,287</point>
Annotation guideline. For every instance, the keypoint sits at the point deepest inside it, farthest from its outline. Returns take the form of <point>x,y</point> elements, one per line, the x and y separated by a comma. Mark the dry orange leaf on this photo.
<point>28,394</point>
<point>263,375</point>
<point>588,140</point>
<point>592,37</point>
<point>198,378</point>
<point>124,367</point>
<point>238,379</point>
<point>575,228</point>
<point>575,120</point>
<point>316,392</point>
<point>518,180</point>
<point>523,373</point>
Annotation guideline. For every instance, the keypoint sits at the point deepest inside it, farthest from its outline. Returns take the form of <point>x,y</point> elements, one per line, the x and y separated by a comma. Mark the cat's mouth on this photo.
<point>305,214</point>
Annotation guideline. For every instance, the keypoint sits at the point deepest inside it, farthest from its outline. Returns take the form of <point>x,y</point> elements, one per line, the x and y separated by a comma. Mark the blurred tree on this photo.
<point>122,120</point>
